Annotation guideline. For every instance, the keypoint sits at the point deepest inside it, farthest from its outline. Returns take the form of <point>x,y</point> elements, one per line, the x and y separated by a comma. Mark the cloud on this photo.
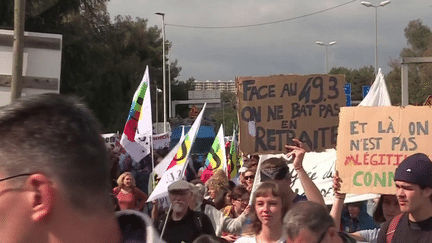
<point>281,48</point>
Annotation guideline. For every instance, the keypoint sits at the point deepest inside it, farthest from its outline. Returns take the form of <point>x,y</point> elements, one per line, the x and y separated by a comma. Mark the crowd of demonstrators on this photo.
<point>310,222</point>
<point>268,208</point>
<point>387,208</point>
<point>55,177</point>
<point>128,195</point>
<point>58,190</point>
<point>414,194</point>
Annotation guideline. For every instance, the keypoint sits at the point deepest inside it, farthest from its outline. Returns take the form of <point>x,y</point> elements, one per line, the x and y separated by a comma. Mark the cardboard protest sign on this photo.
<point>274,109</point>
<point>373,141</point>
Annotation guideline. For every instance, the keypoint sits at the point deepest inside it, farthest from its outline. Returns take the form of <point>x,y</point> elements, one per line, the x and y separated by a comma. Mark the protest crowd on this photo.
<point>59,182</point>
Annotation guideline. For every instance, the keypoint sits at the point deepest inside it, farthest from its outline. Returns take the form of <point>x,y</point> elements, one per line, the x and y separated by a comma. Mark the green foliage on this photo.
<point>103,61</point>
<point>419,40</point>
<point>227,114</point>
<point>179,91</point>
<point>357,77</point>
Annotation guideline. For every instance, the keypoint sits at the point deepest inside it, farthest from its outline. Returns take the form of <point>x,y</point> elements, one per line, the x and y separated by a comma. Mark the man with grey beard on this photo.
<point>182,223</point>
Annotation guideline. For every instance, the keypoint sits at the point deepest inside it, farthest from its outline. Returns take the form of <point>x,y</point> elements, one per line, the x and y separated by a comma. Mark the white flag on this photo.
<point>134,149</point>
<point>162,166</point>
<point>177,167</point>
<point>144,130</point>
<point>378,94</point>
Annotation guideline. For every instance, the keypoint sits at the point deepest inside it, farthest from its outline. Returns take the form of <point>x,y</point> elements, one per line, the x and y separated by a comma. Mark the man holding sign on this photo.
<point>413,179</point>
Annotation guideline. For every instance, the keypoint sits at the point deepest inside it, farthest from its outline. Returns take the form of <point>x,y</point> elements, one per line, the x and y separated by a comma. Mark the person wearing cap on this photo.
<point>276,169</point>
<point>182,223</point>
<point>413,180</point>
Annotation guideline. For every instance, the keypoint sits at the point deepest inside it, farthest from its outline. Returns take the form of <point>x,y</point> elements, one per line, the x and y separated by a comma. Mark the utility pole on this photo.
<point>18,49</point>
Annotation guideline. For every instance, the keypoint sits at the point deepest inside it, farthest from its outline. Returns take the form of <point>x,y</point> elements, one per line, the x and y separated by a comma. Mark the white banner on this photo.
<point>320,167</point>
<point>110,139</point>
<point>161,141</point>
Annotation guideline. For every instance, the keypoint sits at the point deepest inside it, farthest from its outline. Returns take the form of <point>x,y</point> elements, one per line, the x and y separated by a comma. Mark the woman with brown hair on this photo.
<point>128,195</point>
<point>269,206</point>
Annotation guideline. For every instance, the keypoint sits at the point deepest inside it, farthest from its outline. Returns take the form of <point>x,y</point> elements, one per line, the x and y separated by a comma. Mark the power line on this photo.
<point>254,25</point>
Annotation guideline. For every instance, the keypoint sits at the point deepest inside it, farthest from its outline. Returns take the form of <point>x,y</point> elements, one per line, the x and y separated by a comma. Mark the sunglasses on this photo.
<point>11,177</point>
<point>249,177</point>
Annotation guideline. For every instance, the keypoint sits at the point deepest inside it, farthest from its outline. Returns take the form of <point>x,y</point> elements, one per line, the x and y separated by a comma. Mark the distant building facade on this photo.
<point>215,85</point>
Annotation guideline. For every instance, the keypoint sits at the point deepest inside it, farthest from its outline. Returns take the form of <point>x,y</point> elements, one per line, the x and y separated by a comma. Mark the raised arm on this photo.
<point>338,203</point>
<point>235,225</point>
<point>298,151</point>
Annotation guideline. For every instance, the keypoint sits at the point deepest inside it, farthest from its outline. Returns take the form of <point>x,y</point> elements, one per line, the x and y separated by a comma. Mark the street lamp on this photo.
<point>169,79</point>
<point>163,67</point>
<point>382,4</point>
<point>157,109</point>
<point>326,45</point>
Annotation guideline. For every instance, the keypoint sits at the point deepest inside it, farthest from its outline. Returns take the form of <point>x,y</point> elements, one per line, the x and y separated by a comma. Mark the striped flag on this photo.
<point>216,158</point>
<point>183,152</point>
<point>138,150</point>
<point>144,131</point>
<point>162,166</point>
<point>234,164</point>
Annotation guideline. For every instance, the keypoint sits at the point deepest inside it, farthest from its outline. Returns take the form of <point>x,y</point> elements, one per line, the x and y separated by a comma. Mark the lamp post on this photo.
<point>169,79</point>
<point>382,4</point>
<point>163,67</point>
<point>326,45</point>
<point>157,109</point>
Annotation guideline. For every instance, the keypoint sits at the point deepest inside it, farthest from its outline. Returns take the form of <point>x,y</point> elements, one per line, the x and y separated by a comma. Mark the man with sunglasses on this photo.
<point>276,170</point>
<point>54,177</point>
<point>309,222</point>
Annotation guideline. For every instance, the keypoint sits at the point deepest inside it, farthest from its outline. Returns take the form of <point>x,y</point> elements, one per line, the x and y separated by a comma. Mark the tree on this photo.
<point>102,61</point>
<point>227,115</point>
<point>357,77</point>
<point>419,40</point>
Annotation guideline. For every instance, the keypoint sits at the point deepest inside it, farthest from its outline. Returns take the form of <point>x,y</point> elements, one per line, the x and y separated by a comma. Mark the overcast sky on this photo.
<point>287,47</point>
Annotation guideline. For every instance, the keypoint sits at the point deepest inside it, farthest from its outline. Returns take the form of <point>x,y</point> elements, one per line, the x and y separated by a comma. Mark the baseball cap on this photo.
<point>274,169</point>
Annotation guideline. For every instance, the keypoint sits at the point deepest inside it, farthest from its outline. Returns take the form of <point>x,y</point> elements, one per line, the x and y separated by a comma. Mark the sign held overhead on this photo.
<point>274,109</point>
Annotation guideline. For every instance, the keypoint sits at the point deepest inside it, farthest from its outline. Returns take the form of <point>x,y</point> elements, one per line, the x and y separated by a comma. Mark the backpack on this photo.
<point>392,227</point>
